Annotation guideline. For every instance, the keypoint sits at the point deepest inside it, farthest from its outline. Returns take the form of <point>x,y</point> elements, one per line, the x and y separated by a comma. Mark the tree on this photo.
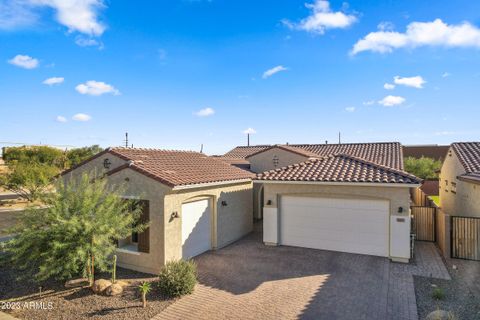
<point>424,168</point>
<point>77,155</point>
<point>34,155</point>
<point>28,180</point>
<point>75,233</point>
<point>144,289</point>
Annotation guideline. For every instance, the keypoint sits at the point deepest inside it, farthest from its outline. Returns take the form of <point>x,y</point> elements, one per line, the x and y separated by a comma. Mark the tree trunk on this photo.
<point>144,299</point>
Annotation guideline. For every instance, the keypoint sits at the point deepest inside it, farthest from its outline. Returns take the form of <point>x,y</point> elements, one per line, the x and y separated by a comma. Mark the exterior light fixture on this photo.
<point>224,203</point>
<point>174,215</point>
<point>400,209</point>
<point>107,163</point>
<point>269,202</point>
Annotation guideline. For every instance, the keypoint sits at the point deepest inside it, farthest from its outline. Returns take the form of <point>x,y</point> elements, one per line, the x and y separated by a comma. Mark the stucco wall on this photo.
<point>264,161</point>
<point>466,200</point>
<point>398,197</point>
<point>96,165</point>
<point>141,187</point>
<point>231,222</point>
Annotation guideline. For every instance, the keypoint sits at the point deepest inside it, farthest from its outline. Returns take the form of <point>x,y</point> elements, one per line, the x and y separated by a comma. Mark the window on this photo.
<point>453,187</point>
<point>137,242</point>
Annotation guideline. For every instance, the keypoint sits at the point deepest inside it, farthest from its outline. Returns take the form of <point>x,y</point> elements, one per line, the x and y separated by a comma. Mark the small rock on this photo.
<point>122,283</point>
<point>114,290</point>
<point>100,285</point>
<point>75,283</point>
<point>454,267</point>
<point>439,315</point>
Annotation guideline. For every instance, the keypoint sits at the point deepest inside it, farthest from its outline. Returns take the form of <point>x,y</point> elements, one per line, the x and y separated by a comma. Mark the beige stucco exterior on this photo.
<point>229,222</point>
<point>465,200</point>
<point>263,161</point>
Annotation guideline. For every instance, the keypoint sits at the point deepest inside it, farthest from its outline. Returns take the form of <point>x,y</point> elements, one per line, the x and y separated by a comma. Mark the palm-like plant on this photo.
<point>145,288</point>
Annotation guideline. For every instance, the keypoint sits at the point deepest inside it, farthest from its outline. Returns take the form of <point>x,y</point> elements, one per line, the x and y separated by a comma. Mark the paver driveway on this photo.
<point>248,280</point>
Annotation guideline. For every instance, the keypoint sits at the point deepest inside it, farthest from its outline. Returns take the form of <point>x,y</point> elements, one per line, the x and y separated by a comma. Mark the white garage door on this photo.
<point>347,225</point>
<point>196,228</point>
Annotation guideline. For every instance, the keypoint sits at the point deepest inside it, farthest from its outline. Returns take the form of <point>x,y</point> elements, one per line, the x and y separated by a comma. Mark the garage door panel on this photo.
<point>349,225</point>
<point>196,228</point>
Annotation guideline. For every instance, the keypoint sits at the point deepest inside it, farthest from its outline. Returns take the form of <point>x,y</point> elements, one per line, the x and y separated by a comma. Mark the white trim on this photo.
<point>209,184</point>
<point>137,253</point>
<point>358,184</point>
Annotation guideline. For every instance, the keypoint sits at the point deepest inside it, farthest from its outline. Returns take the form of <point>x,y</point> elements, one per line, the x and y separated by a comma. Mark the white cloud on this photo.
<point>88,42</point>
<point>350,109</point>
<point>415,82</point>
<point>96,88</point>
<point>390,101</point>
<point>322,18</point>
<point>61,119</point>
<point>435,33</point>
<point>205,112</point>
<point>249,131</point>
<point>388,86</point>
<point>76,15</point>
<point>272,71</point>
<point>15,14</point>
<point>24,61</point>
<point>53,80</point>
<point>82,117</point>
<point>446,75</point>
<point>369,103</point>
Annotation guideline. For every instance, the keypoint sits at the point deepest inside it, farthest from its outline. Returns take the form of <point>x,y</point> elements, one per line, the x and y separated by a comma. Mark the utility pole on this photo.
<point>248,139</point>
<point>339,138</point>
<point>201,148</point>
<point>126,139</point>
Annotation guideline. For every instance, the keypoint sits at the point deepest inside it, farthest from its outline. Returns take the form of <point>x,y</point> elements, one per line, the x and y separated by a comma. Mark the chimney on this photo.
<point>248,139</point>
<point>326,141</point>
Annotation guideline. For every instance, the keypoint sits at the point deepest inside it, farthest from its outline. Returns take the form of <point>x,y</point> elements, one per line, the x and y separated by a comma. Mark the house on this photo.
<point>460,180</point>
<point>341,197</point>
<point>193,202</point>
<point>434,151</point>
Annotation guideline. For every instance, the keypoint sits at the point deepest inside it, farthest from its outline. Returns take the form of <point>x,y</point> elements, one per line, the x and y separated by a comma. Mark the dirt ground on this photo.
<point>57,302</point>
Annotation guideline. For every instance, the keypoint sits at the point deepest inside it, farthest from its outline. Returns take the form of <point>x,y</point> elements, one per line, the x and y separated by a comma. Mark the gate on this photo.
<point>465,238</point>
<point>424,223</point>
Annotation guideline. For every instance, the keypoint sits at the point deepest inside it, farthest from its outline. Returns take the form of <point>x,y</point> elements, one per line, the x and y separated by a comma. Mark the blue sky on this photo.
<point>176,74</point>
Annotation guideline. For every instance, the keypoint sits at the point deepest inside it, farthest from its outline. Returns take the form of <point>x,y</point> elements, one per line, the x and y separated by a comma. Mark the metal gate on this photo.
<point>465,237</point>
<point>423,225</point>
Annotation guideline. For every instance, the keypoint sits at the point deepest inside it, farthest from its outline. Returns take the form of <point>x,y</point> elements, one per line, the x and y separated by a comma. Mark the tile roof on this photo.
<point>244,151</point>
<point>296,150</point>
<point>387,154</point>
<point>174,168</point>
<point>469,155</point>
<point>383,153</point>
<point>339,168</point>
<point>472,177</point>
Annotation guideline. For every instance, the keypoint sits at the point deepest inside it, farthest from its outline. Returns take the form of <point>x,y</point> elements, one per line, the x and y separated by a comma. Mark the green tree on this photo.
<point>424,168</point>
<point>77,155</point>
<point>34,155</point>
<point>76,233</point>
<point>28,180</point>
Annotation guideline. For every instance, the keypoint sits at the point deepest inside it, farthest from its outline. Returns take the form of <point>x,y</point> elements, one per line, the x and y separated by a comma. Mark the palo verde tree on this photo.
<point>76,232</point>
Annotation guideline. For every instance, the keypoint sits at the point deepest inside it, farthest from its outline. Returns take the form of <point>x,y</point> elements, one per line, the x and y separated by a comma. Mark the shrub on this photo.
<point>178,278</point>
<point>438,294</point>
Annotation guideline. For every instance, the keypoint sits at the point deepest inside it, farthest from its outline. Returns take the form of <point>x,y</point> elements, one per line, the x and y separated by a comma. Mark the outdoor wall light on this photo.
<point>224,203</point>
<point>269,202</point>
<point>175,215</point>
<point>400,209</point>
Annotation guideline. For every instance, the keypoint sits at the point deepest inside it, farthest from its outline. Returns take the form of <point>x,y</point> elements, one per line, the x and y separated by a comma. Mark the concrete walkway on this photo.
<point>248,280</point>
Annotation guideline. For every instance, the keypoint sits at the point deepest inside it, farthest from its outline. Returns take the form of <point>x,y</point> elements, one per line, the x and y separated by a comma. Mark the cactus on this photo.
<point>114,271</point>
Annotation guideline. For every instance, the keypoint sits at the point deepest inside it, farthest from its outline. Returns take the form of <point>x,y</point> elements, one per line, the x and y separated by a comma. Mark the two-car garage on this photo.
<point>337,224</point>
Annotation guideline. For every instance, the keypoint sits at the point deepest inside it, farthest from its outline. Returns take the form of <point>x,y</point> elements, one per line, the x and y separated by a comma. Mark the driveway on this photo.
<point>248,280</point>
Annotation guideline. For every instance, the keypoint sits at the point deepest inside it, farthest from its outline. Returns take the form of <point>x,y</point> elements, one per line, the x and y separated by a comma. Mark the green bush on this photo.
<point>438,294</point>
<point>178,278</point>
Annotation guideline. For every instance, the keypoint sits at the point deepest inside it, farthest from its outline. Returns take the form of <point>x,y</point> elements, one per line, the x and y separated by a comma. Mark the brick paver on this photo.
<point>248,280</point>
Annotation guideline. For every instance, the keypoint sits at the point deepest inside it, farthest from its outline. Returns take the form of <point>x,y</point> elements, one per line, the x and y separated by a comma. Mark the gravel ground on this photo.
<point>78,303</point>
<point>459,299</point>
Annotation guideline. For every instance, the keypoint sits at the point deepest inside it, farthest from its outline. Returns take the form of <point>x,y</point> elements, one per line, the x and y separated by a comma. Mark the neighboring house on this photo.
<point>460,180</point>
<point>429,151</point>
<point>193,202</point>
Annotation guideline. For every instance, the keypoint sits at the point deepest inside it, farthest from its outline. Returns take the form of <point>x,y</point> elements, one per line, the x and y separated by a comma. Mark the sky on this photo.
<point>177,74</point>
